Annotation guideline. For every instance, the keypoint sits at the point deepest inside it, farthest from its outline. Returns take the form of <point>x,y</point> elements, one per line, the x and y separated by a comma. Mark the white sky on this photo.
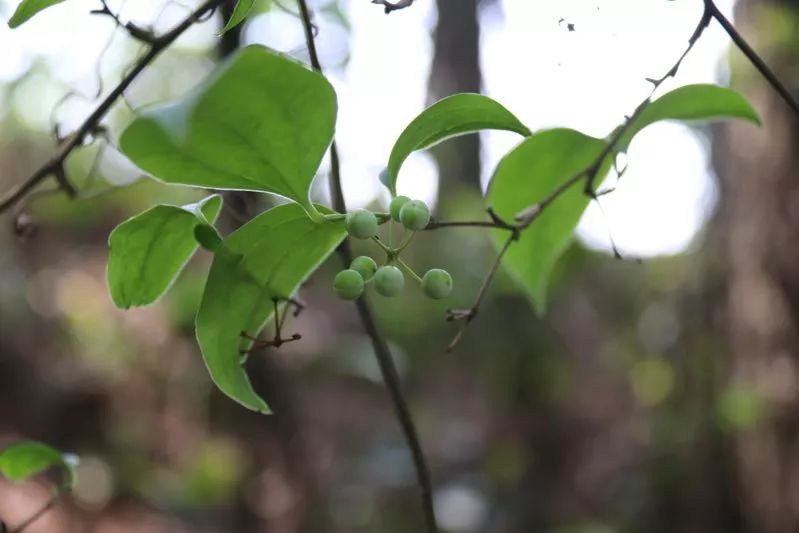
<point>587,79</point>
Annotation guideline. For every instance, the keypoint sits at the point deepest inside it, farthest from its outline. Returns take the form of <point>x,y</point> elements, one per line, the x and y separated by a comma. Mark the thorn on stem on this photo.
<point>60,174</point>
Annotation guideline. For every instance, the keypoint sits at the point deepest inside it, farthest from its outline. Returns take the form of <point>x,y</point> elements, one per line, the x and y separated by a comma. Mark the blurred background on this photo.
<point>656,396</point>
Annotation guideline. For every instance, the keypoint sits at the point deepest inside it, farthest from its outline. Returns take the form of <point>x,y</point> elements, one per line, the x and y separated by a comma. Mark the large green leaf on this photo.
<point>22,460</point>
<point>148,251</point>
<point>240,12</point>
<point>262,123</point>
<point>699,102</point>
<point>455,115</point>
<point>27,9</point>
<point>525,176</point>
<point>266,259</point>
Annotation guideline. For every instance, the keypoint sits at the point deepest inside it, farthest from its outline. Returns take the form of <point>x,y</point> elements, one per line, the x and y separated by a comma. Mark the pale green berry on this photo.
<point>415,215</point>
<point>389,281</point>
<point>362,224</point>
<point>437,283</point>
<point>396,205</point>
<point>348,284</point>
<point>365,266</point>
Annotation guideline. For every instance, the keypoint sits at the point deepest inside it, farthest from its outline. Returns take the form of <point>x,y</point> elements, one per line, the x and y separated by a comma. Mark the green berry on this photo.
<point>362,224</point>
<point>396,205</point>
<point>348,284</point>
<point>365,266</point>
<point>415,215</point>
<point>389,281</point>
<point>437,283</point>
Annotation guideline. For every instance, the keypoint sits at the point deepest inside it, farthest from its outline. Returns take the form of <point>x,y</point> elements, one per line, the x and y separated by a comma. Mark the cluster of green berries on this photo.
<point>414,215</point>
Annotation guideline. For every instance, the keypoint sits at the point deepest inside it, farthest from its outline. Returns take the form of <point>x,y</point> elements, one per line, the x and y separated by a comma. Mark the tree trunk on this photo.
<point>759,222</point>
<point>456,68</point>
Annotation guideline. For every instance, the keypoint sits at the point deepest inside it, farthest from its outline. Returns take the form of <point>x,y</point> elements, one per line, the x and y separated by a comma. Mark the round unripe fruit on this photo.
<point>437,283</point>
<point>396,206</point>
<point>389,281</point>
<point>365,266</point>
<point>415,215</point>
<point>362,224</point>
<point>348,284</point>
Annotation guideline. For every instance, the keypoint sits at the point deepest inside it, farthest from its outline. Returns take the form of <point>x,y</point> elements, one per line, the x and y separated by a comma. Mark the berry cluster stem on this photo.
<point>407,268</point>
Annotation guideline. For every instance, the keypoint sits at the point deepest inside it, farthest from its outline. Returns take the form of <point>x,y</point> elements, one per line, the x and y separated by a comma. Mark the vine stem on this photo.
<point>379,344</point>
<point>752,56</point>
<point>55,165</point>
<point>49,504</point>
<point>528,215</point>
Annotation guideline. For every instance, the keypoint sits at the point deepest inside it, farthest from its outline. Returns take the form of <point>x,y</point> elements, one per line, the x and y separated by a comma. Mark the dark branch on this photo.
<point>528,215</point>
<point>592,171</point>
<point>54,166</point>
<point>379,344</point>
<point>752,56</point>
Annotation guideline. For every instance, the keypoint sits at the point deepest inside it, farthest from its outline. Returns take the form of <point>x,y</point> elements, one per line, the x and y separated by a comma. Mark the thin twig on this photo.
<point>388,7</point>
<point>752,56</point>
<point>49,504</point>
<point>467,315</point>
<point>138,33</point>
<point>590,173</point>
<point>439,224</point>
<point>379,344</point>
<point>54,167</point>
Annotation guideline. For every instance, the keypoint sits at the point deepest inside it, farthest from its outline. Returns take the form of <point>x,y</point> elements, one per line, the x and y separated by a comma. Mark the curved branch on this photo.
<point>54,167</point>
<point>527,216</point>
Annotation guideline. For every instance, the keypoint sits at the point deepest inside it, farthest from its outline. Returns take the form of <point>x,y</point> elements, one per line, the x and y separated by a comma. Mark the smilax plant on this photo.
<point>262,122</point>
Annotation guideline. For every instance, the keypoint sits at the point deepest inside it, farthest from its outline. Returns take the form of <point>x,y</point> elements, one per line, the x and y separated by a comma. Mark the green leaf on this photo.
<point>266,259</point>
<point>524,177</point>
<point>455,115</point>
<point>27,9</point>
<point>23,460</point>
<point>208,237</point>
<point>240,12</point>
<point>701,102</point>
<point>148,251</point>
<point>261,123</point>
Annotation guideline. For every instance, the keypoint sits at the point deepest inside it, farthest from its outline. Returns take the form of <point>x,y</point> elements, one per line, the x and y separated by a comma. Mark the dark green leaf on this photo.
<point>240,12</point>
<point>261,123</point>
<point>266,259</point>
<point>148,251</point>
<point>27,9</point>
<point>700,102</point>
<point>208,237</point>
<point>455,115</point>
<point>525,176</point>
<point>22,460</point>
